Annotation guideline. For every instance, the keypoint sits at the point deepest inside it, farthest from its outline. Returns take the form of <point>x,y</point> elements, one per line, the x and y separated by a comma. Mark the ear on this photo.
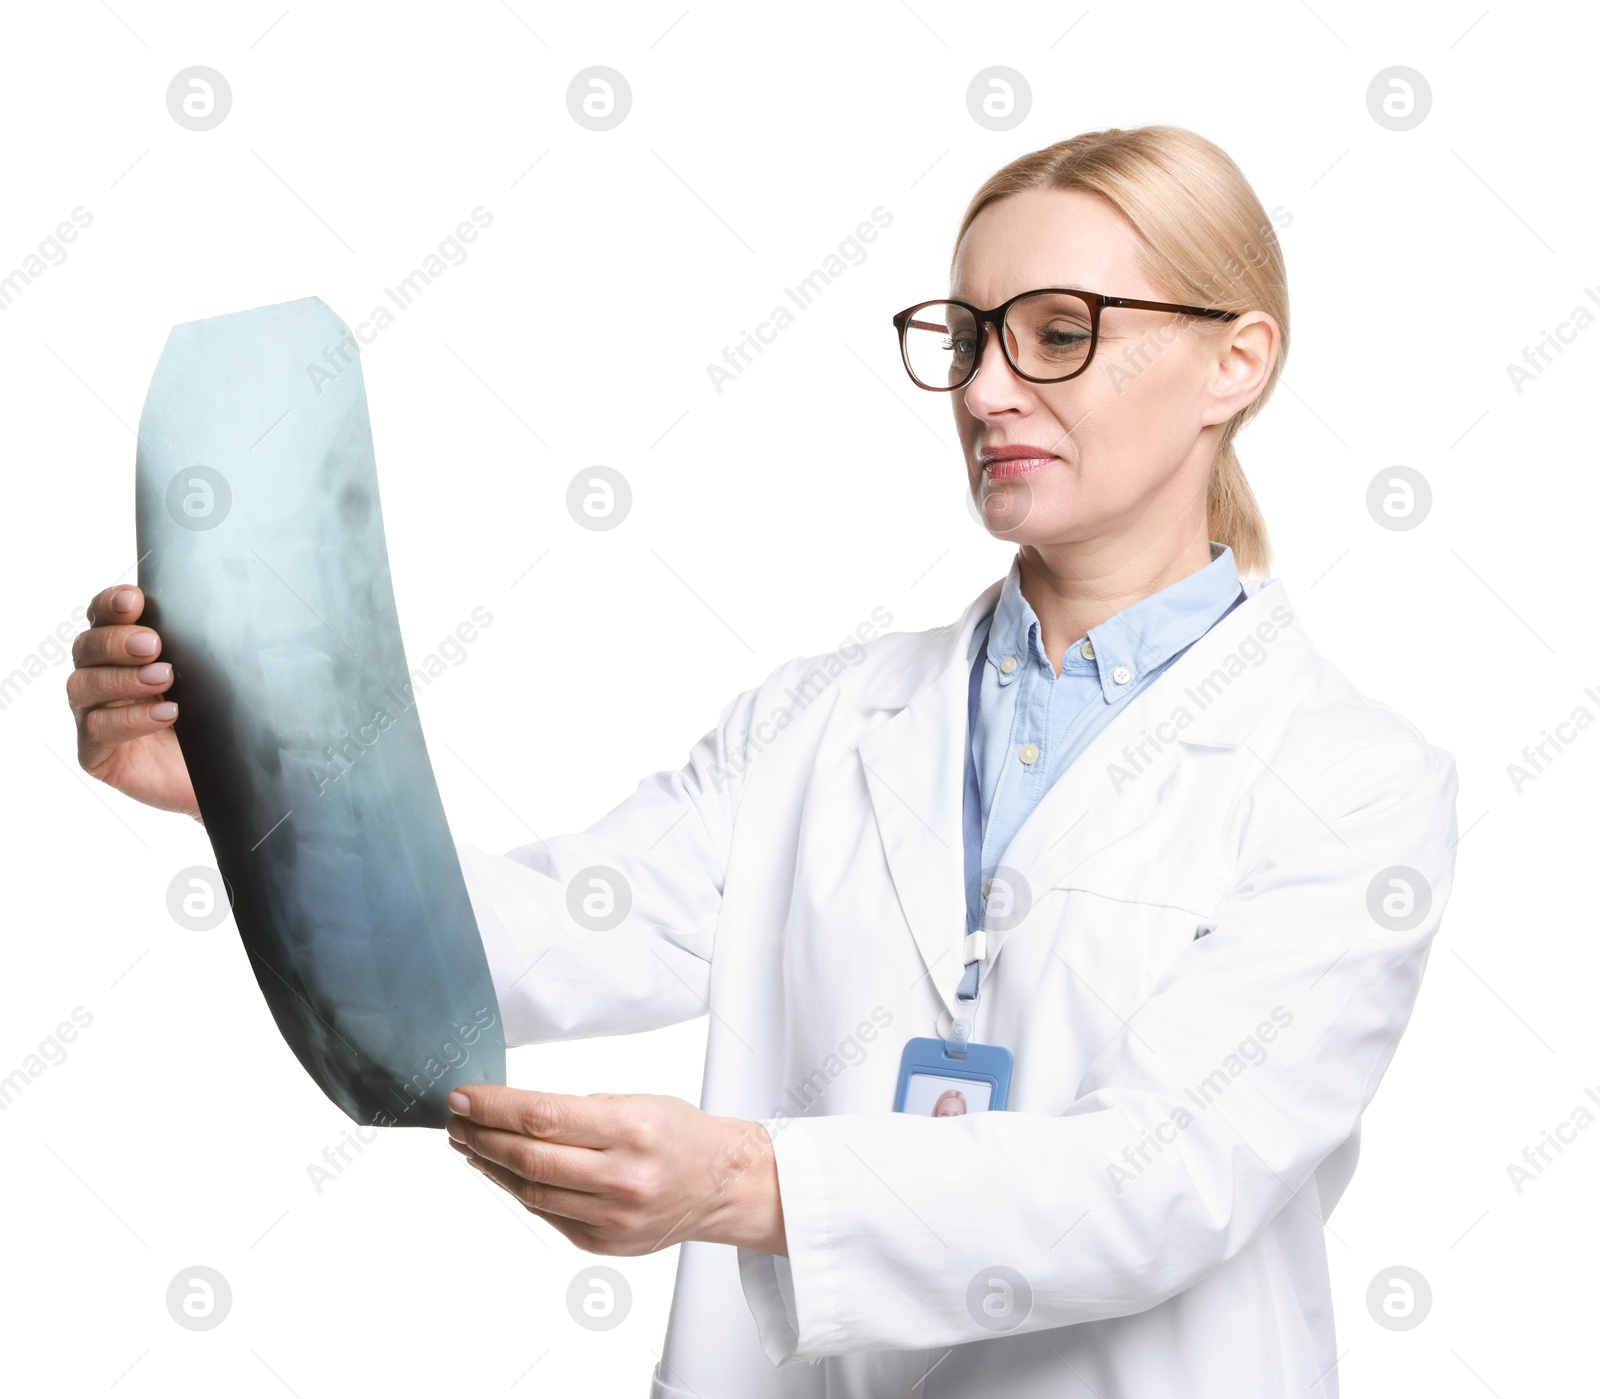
<point>1245,353</point>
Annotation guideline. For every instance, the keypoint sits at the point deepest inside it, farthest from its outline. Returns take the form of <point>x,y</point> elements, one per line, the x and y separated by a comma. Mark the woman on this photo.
<point>1203,877</point>
<point>951,1103</point>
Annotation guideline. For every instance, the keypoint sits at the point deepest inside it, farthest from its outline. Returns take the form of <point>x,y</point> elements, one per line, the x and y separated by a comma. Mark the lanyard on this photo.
<point>974,946</point>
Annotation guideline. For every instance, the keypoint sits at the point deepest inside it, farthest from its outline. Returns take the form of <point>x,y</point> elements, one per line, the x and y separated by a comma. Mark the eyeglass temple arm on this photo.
<point>1134,304</point>
<point>1128,302</point>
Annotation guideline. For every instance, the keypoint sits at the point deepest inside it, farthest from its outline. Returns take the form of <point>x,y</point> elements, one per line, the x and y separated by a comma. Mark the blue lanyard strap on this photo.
<point>972,829</point>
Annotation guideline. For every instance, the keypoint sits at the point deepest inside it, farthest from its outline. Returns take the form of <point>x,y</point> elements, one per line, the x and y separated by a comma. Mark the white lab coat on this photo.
<point>1200,1002</point>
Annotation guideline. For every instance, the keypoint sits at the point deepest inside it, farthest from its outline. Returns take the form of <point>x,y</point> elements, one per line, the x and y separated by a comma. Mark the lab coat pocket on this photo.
<point>1119,929</point>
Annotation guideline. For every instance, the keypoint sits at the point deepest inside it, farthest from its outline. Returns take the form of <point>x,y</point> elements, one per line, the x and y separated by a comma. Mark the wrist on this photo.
<point>748,1211</point>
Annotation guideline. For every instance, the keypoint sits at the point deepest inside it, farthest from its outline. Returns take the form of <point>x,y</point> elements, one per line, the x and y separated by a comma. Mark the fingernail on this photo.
<point>156,673</point>
<point>165,710</point>
<point>144,643</point>
<point>125,599</point>
<point>459,1102</point>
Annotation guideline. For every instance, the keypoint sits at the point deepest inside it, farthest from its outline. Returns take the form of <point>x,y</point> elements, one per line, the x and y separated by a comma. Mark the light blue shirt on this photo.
<point>1032,722</point>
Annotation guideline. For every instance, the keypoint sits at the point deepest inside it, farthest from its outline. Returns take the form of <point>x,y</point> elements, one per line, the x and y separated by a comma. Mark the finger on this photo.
<point>575,1233</point>
<point>115,644</point>
<point>570,1205</point>
<point>107,684</point>
<point>122,602</point>
<point>577,1168</point>
<point>558,1117</point>
<point>107,726</point>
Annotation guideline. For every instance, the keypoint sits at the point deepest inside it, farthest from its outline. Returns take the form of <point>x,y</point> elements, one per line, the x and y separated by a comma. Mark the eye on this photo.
<point>1063,336</point>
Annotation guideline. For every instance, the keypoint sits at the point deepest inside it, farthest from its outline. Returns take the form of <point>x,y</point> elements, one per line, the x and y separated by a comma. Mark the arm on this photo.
<point>618,1174</point>
<point>1137,1191</point>
<point>609,931</point>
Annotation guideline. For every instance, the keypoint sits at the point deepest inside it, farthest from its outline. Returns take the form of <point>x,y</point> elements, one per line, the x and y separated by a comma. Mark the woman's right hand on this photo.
<point>116,690</point>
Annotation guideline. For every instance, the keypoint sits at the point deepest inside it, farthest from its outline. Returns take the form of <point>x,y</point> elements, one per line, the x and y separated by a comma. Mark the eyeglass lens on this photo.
<point>1048,336</point>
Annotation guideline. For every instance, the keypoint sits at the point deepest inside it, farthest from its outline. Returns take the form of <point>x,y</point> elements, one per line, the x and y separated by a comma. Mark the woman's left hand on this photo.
<point>624,1173</point>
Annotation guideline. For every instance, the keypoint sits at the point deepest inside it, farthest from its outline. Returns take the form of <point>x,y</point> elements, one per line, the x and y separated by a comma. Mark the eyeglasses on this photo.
<point>1047,335</point>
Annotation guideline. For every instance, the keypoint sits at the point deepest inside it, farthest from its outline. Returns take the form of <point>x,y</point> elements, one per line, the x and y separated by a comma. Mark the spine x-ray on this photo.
<point>262,557</point>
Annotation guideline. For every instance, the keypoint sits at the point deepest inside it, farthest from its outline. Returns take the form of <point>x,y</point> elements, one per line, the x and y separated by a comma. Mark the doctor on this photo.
<point>1118,823</point>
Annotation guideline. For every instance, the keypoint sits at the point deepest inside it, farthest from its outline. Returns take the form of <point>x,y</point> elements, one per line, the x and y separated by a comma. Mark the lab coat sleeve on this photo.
<point>1194,1125</point>
<point>653,867</point>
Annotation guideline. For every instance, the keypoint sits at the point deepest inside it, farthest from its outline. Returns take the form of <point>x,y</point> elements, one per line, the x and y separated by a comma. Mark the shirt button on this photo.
<point>1029,753</point>
<point>1122,675</point>
<point>986,889</point>
<point>1087,650</point>
<point>1009,664</point>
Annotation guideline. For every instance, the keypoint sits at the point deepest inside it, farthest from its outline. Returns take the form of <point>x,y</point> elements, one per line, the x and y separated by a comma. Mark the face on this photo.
<point>1123,449</point>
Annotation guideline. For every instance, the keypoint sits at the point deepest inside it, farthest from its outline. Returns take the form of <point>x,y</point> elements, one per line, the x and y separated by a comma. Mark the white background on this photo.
<point>768,521</point>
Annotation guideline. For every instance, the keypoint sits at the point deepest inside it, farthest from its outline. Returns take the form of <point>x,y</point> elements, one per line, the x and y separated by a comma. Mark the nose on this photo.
<point>994,388</point>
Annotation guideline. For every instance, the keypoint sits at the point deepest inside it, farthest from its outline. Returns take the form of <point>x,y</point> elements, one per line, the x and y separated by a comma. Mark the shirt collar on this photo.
<point>1128,644</point>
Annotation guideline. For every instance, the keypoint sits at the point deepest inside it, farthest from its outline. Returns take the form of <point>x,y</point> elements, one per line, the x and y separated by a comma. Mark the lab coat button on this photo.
<point>1122,675</point>
<point>1009,664</point>
<point>1029,753</point>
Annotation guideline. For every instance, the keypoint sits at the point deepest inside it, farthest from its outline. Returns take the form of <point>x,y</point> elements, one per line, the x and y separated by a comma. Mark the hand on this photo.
<point>125,735</point>
<point>624,1174</point>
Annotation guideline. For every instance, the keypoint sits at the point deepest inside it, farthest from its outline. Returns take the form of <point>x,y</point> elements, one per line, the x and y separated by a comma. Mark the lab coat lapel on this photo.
<point>1108,791</point>
<point>914,763</point>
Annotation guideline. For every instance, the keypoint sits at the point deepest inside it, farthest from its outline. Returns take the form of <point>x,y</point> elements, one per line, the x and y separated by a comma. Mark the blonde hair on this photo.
<point>1209,243</point>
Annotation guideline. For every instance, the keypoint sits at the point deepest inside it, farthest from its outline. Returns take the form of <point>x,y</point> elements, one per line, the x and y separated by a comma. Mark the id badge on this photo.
<point>935,1083</point>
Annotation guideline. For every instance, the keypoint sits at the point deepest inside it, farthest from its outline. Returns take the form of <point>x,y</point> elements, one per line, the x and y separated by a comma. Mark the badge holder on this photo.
<point>953,1076</point>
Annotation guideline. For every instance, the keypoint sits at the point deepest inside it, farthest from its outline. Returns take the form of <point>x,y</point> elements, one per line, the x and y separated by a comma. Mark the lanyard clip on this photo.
<point>967,990</point>
<point>955,1043</point>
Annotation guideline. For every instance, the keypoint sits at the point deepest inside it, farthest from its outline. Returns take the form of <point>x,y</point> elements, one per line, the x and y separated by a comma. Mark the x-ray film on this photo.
<point>262,557</point>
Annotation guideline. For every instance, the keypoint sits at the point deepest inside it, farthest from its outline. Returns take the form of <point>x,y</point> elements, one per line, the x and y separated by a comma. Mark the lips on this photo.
<point>1013,462</point>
